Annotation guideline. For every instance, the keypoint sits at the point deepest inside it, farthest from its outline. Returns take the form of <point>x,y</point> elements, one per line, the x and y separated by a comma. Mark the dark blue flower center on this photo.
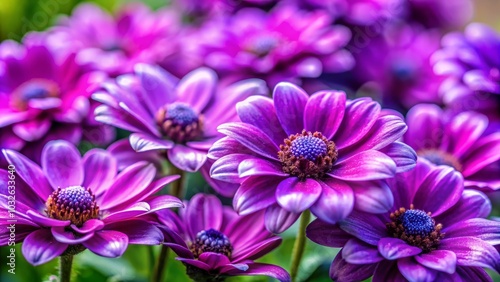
<point>403,70</point>
<point>309,147</point>
<point>307,155</point>
<point>211,240</point>
<point>417,222</point>
<point>439,157</point>
<point>179,122</point>
<point>34,89</point>
<point>73,203</point>
<point>262,45</point>
<point>415,227</point>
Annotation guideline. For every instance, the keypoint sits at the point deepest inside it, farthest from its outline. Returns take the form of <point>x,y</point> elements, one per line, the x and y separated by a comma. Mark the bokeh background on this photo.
<point>20,16</point>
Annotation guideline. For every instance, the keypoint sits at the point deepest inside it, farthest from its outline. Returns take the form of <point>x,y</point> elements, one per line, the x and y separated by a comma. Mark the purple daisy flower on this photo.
<point>286,44</point>
<point>396,66</point>
<point>212,8</point>
<point>471,61</point>
<point>435,231</point>
<point>321,152</point>
<point>179,117</point>
<point>70,203</point>
<point>458,141</point>
<point>116,43</point>
<point>45,99</point>
<point>214,242</point>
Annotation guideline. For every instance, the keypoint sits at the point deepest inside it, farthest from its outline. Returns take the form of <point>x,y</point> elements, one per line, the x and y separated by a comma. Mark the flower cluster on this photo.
<point>373,116</point>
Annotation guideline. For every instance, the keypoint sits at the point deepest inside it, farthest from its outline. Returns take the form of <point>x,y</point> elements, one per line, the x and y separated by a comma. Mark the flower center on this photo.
<point>415,227</point>
<point>179,122</point>
<point>403,70</point>
<point>439,157</point>
<point>34,89</point>
<point>74,203</point>
<point>262,45</point>
<point>211,240</point>
<point>307,155</point>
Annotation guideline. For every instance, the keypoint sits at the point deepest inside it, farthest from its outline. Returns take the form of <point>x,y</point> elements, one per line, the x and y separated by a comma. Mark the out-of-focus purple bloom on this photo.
<point>458,141</point>
<point>213,241</point>
<point>115,44</point>
<point>321,152</point>
<point>442,14</point>
<point>213,8</point>
<point>179,117</point>
<point>45,99</point>
<point>471,60</point>
<point>358,12</point>
<point>435,231</point>
<point>396,65</point>
<point>285,44</point>
<point>70,203</point>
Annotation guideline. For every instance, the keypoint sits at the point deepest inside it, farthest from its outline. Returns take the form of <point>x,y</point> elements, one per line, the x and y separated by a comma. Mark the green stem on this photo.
<point>163,257</point>
<point>65,263</point>
<point>299,245</point>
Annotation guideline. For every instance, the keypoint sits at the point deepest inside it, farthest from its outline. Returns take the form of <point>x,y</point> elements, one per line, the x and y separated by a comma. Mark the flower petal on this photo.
<point>67,237</point>
<point>440,260</point>
<point>472,252</point>
<point>324,112</point>
<point>269,270</point>
<point>372,196</point>
<point>255,193</point>
<point>481,154</point>
<point>335,202</point>
<point>327,234</point>
<point>425,126</point>
<point>62,164</point>
<point>186,158</point>
<point>472,204</point>
<point>100,168</point>
<point>366,227</point>
<point>197,88</point>
<point>290,102</point>
<point>260,112</point>
<point>138,232</point>
<point>342,271</point>
<point>414,271</point>
<point>143,142</point>
<point>202,213</point>
<point>367,165</point>
<point>481,228</point>
<point>295,195</point>
<point>278,220</point>
<point>40,247</point>
<point>251,137</point>
<point>463,131</point>
<point>393,248</point>
<point>403,155</point>
<point>255,166</point>
<point>358,252</point>
<point>107,243</point>
<point>226,168</point>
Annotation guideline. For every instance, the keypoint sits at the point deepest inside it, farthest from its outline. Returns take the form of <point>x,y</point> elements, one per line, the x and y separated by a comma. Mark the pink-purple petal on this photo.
<point>366,165</point>
<point>277,219</point>
<point>197,88</point>
<point>67,237</point>
<point>327,234</point>
<point>472,251</point>
<point>290,102</point>
<point>107,243</point>
<point>440,260</point>
<point>372,196</point>
<point>100,168</point>
<point>40,247</point>
<point>62,164</point>
<point>255,193</point>
<point>141,142</point>
<point>296,195</point>
<point>335,202</point>
<point>393,248</point>
<point>324,112</point>
<point>186,158</point>
<point>425,126</point>
<point>359,252</point>
<point>414,271</point>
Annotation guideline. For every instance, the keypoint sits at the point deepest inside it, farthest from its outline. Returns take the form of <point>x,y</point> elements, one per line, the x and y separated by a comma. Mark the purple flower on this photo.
<point>435,231</point>
<point>396,65</point>
<point>321,152</point>
<point>284,44</point>
<point>471,61</point>
<point>115,44</point>
<point>45,99</point>
<point>70,203</point>
<point>165,114</point>
<point>213,241</point>
<point>358,12</point>
<point>458,141</point>
<point>213,8</point>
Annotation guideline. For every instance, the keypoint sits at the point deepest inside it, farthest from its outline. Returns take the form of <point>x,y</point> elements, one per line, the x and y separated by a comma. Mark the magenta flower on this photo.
<point>45,99</point>
<point>179,117</point>
<point>442,14</point>
<point>214,242</point>
<point>115,44</point>
<point>70,203</point>
<point>213,8</point>
<point>459,141</point>
<point>396,66</point>
<point>471,62</point>
<point>435,231</point>
<point>321,152</point>
<point>284,44</point>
